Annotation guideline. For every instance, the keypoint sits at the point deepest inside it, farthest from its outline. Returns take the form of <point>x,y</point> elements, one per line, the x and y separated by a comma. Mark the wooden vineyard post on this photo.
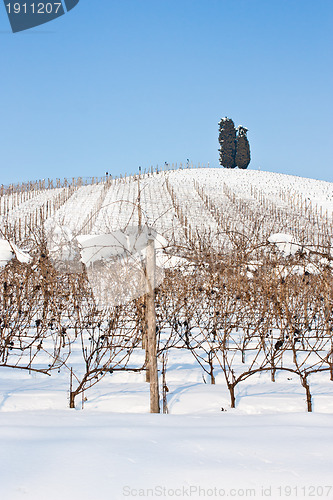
<point>139,202</point>
<point>151,328</point>
<point>71,393</point>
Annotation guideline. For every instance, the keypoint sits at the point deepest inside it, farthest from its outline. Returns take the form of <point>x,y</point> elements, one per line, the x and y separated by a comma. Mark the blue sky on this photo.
<point>117,84</point>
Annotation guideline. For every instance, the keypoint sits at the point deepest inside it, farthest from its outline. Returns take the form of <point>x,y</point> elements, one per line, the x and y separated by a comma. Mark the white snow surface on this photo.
<point>285,243</point>
<point>9,250</point>
<point>118,244</point>
<point>115,449</point>
<point>115,456</point>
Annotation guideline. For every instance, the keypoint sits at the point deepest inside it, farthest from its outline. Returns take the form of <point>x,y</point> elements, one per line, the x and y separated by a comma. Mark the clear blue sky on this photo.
<point>115,84</point>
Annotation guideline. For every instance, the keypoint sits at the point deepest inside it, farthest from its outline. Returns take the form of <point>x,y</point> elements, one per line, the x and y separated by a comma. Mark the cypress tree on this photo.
<point>243,156</point>
<point>227,140</point>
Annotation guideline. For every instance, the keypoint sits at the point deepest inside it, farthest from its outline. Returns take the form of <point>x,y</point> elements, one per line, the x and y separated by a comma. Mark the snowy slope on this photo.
<point>285,203</point>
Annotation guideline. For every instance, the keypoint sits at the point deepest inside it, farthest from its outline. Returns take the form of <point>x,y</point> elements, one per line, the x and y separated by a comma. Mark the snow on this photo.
<point>6,253</point>
<point>285,243</point>
<point>119,244</point>
<point>115,449</point>
<point>112,456</point>
<point>9,250</point>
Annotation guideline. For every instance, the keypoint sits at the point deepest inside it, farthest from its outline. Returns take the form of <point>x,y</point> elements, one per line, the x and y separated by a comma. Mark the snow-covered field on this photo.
<point>54,455</point>
<point>267,447</point>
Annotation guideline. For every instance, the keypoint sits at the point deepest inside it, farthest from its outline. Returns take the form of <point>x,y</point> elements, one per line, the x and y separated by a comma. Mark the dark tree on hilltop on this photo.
<point>227,140</point>
<point>243,156</point>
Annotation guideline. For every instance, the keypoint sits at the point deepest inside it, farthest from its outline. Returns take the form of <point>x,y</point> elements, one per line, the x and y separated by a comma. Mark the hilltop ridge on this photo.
<point>177,203</point>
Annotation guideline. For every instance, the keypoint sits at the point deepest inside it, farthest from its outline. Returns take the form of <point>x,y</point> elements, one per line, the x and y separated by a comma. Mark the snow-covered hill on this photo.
<point>180,202</point>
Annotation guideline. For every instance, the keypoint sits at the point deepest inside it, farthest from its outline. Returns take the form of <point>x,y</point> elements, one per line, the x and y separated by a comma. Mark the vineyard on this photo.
<point>246,298</point>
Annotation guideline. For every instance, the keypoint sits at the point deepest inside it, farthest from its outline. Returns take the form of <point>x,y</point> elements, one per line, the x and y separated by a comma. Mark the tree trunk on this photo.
<point>72,399</point>
<point>308,393</point>
<point>232,395</point>
<point>211,366</point>
<point>71,393</point>
<point>165,387</point>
